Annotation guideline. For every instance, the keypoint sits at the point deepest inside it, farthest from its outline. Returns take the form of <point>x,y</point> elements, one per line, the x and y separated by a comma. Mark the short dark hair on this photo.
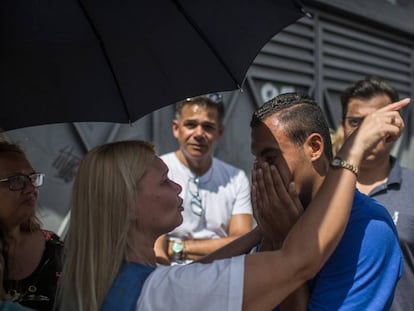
<point>300,114</point>
<point>203,101</point>
<point>365,89</point>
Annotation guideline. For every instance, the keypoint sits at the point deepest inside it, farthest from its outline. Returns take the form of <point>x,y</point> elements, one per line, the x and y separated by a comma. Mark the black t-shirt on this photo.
<point>38,290</point>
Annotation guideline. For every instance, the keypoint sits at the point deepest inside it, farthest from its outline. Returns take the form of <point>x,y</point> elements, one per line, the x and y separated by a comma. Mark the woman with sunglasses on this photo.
<point>33,254</point>
<point>123,201</point>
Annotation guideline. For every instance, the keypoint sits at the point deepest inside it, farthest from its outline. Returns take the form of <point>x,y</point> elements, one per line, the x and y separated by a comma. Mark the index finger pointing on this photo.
<point>397,105</point>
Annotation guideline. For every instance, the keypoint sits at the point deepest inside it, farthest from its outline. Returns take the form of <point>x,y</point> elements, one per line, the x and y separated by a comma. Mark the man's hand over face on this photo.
<point>275,203</point>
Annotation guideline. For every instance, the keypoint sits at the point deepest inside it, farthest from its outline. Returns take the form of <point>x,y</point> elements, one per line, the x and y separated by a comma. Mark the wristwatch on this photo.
<point>177,248</point>
<point>339,163</point>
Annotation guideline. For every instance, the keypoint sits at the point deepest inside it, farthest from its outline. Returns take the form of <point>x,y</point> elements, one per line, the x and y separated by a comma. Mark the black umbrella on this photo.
<point>117,60</point>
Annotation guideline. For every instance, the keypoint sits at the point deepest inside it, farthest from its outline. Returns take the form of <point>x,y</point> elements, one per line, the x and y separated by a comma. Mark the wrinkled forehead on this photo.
<point>194,109</point>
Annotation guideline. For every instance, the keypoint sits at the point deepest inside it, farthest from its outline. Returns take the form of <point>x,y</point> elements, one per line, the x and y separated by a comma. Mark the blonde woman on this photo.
<point>123,201</point>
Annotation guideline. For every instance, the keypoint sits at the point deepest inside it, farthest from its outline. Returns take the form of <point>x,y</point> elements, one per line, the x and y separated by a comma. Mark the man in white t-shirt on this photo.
<point>216,195</point>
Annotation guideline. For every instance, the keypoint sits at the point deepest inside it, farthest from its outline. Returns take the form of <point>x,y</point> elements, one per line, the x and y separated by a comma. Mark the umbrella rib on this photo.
<point>204,37</point>
<point>102,45</point>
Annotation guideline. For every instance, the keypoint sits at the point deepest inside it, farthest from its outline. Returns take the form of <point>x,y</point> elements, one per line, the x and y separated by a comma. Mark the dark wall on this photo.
<point>395,14</point>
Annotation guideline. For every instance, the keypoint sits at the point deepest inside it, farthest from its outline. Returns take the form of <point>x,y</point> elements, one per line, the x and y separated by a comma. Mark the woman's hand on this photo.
<point>382,126</point>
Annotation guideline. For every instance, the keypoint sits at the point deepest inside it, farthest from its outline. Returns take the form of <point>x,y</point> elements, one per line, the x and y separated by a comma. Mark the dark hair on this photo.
<point>300,114</point>
<point>6,146</point>
<point>203,101</point>
<point>365,89</point>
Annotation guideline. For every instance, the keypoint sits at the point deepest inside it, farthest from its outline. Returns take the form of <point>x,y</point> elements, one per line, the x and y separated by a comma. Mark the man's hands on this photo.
<point>276,205</point>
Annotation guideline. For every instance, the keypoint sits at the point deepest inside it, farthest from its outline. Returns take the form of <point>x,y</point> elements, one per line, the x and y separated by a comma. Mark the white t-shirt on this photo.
<point>224,191</point>
<point>201,287</point>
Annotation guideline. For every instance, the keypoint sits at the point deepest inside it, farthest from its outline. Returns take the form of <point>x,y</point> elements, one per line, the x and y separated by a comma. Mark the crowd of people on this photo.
<point>175,231</point>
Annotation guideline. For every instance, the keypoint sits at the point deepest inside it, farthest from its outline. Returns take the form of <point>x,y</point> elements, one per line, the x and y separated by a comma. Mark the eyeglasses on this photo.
<point>19,182</point>
<point>216,98</point>
<point>193,189</point>
<point>354,121</point>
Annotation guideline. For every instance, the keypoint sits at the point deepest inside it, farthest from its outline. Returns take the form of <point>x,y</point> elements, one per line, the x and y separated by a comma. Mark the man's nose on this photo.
<point>198,130</point>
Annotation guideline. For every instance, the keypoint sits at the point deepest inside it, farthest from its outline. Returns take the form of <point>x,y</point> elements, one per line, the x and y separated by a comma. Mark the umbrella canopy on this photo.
<point>115,61</point>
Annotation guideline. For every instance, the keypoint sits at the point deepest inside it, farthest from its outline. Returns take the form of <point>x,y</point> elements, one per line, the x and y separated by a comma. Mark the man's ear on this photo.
<point>175,128</point>
<point>315,146</point>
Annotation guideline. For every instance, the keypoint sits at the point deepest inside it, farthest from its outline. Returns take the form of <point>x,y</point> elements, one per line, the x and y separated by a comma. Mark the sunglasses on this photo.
<point>194,190</point>
<point>216,98</point>
<point>19,182</point>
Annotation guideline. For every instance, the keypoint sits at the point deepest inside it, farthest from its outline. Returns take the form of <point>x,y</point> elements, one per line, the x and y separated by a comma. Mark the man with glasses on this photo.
<point>216,195</point>
<point>381,176</point>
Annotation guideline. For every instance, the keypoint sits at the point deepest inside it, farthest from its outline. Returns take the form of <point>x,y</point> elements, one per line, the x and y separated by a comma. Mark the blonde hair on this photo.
<point>103,191</point>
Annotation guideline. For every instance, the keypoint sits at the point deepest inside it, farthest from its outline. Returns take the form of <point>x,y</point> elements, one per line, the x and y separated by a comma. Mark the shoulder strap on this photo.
<point>126,288</point>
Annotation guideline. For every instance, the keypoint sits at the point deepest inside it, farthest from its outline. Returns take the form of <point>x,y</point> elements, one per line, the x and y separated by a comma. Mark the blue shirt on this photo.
<point>364,269</point>
<point>126,288</point>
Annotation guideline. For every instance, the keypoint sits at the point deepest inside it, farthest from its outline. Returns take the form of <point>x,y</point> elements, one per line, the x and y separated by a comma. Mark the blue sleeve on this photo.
<point>126,288</point>
<point>364,269</point>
